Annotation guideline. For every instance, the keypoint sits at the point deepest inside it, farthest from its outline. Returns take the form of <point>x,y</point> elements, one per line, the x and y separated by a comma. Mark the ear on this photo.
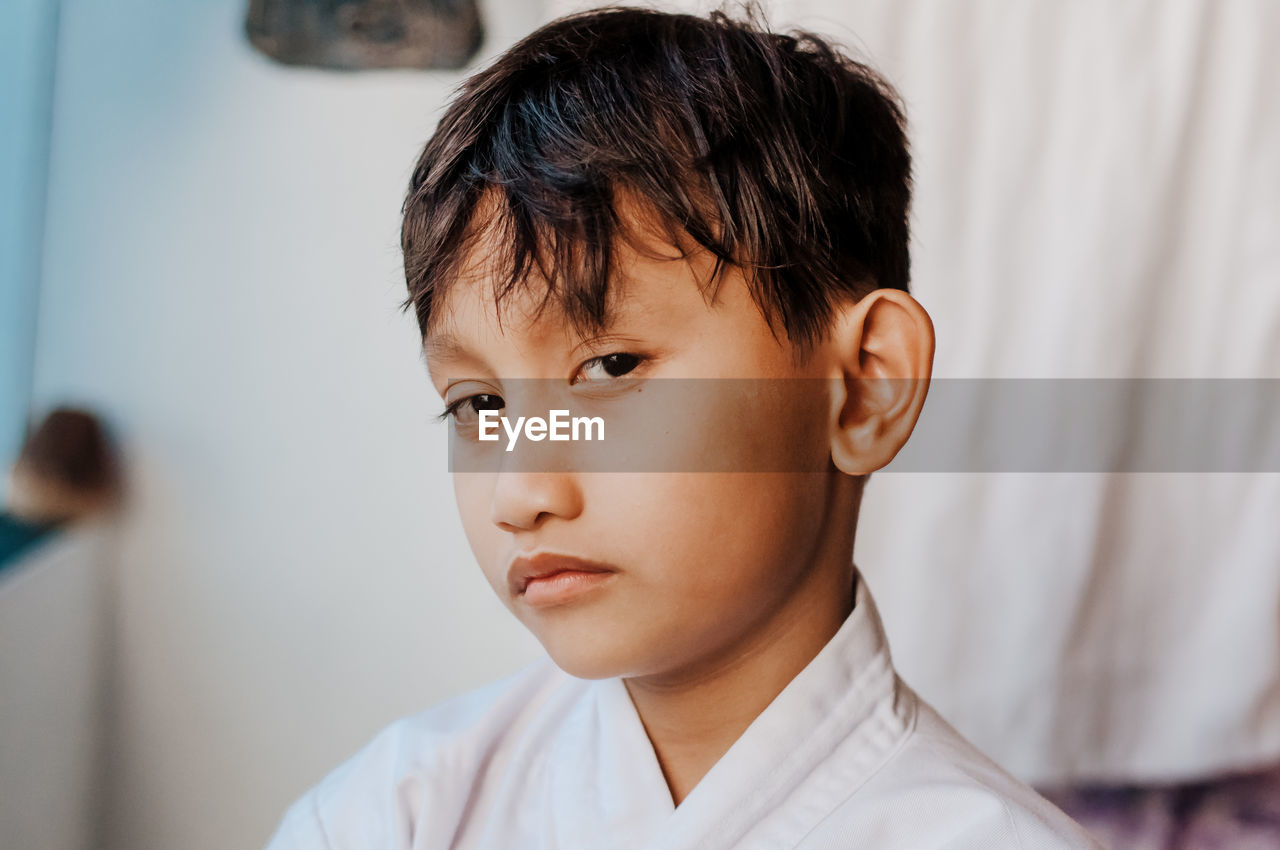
<point>882,355</point>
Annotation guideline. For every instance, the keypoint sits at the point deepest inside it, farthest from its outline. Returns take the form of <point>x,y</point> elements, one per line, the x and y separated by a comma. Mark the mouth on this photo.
<point>547,578</point>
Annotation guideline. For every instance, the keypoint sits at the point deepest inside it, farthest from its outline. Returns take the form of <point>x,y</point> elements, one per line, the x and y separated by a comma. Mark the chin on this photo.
<point>585,662</point>
<point>587,657</point>
<point>583,666</point>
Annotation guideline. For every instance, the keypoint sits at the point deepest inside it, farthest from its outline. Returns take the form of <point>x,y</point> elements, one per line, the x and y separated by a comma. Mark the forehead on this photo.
<point>648,273</point>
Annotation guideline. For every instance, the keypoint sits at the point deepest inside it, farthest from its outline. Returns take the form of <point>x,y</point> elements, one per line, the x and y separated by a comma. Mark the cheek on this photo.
<point>721,425</point>
<point>708,558</point>
<point>708,535</point>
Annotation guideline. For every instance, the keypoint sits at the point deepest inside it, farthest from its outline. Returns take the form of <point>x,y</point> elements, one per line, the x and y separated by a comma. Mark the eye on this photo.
<point>466,410</point>
<point>607,366</point>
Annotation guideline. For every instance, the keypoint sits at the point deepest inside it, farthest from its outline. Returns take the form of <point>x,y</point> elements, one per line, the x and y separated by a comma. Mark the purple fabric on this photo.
<point>1239,812</point>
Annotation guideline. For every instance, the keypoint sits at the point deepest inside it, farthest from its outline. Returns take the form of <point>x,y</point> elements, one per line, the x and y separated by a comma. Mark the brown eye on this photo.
<point>465,410</point>
<point>608,366</point>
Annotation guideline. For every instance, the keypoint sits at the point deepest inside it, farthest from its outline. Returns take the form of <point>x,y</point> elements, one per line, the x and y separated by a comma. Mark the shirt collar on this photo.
<point>848,690</point>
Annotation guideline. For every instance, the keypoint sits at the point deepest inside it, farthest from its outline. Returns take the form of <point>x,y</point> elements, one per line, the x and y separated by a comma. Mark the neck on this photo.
<point>694,715</point>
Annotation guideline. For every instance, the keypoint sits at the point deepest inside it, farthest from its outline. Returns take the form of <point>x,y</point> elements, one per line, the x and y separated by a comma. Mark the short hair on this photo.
<point>777,153</point>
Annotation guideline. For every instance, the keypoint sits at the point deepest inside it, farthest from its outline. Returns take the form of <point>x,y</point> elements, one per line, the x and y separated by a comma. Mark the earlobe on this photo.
<point>882,359</point>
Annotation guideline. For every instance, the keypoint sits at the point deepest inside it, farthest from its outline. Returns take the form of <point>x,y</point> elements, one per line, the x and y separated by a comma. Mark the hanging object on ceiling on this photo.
<point>357,34</point>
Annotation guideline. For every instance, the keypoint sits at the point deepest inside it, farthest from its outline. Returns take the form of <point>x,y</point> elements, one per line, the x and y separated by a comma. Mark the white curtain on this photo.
<point>1097,196</point>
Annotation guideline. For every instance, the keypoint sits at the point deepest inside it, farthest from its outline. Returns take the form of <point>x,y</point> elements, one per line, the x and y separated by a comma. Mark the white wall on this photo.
<point>221,280</point>
<point>51,689</point>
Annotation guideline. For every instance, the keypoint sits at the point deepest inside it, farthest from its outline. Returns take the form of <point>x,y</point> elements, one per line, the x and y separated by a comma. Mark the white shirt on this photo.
<point>846,756</point>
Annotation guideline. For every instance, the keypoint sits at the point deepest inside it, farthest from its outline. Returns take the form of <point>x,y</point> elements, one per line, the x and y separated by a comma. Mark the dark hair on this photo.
<point>67,469</point>
<point>775,152</point>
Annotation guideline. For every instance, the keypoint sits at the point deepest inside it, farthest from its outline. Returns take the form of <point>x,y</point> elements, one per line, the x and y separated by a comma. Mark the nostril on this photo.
<point>524,501</point>
<point>514,524</point>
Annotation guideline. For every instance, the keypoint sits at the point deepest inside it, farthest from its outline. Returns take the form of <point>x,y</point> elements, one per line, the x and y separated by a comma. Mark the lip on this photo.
<point>549,578</point>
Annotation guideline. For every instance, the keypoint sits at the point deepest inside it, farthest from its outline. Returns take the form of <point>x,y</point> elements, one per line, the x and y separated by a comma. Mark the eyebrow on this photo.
<point>445,346</point>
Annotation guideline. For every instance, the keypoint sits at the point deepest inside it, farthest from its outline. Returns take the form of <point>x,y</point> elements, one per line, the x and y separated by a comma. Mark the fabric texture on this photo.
<point>1097,195</point>
<point>1240,812</point>
<point>846,756</point>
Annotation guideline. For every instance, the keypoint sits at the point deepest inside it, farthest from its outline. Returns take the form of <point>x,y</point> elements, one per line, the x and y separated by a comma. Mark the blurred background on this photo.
<point>199,246</point>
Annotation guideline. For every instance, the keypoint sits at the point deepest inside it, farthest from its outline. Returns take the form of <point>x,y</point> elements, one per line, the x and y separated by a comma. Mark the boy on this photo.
<point>695,231</point>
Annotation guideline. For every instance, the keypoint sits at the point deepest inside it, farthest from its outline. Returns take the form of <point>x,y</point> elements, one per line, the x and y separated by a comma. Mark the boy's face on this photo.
<point>692,562</point>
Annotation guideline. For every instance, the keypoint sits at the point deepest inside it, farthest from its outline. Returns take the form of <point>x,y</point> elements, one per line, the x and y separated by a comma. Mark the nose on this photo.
<point>522,501</point>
